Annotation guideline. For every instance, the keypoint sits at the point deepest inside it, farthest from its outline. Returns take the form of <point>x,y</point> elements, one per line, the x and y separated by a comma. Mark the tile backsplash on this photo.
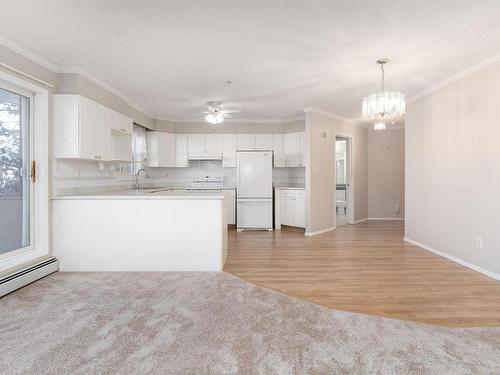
<point>86,177</point>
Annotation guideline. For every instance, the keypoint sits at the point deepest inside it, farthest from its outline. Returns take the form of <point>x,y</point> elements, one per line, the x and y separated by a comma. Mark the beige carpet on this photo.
<point>215,323</point>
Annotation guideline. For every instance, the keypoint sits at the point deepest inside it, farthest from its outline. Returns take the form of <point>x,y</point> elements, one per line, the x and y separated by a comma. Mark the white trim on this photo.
<point>310,234</point>
<point>386,218</point>
<point>19,49</point>
<point>30,276</point>
<point>455,77</point>
<point>454,259</point>
<point>360,220</point>
<point>333,116</point>
<point>86,73</point>
<point>29,76</point>
<point>40,139</point>
<point>198,120</point>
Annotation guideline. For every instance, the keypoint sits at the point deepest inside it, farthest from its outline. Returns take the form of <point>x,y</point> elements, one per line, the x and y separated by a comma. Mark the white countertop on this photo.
<point>169,193</point>
<point>289,187</point>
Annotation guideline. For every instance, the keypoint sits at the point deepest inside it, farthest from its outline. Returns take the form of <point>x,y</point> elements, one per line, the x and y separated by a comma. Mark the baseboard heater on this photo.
<point>26,276</point>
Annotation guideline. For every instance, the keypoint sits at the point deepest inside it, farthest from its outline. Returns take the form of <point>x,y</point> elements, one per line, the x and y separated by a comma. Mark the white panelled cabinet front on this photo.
<point>231,207</point>
<point>292,210</point>
<point>255,213</point>
<point>278,151</point>
<point>83,129</point>
<point>181,150</point>
<point>161,149</point>
<point>229,152</point>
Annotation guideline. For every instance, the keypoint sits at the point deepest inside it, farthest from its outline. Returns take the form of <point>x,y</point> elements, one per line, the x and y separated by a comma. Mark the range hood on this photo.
<point>205,156</point>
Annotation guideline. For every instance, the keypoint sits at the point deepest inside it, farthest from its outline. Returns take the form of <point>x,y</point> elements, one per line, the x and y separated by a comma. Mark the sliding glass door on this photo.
<point>16,198</point>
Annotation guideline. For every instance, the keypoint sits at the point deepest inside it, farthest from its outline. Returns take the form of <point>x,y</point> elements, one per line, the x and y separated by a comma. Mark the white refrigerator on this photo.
<point>254,193</point>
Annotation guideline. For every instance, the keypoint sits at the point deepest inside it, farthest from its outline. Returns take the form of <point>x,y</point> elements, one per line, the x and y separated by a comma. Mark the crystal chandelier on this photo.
<point>385,105</point>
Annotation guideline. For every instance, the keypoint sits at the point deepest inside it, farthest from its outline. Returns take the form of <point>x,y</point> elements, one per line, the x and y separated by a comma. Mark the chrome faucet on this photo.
<point>137,174</point>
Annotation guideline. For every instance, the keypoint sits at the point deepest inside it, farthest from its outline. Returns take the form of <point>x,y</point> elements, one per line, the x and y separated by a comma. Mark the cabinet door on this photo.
<point>292,149</point>
<point>302,136</point>
<point>278,151</point>
<point>264,141</point>
<point>166,147</point>
<point>299,210</point>
<point>181,150</point>
<point>102,133</point>
<point>284,209</point>
<point>196,143</point>
<point>246,142</point>
<point>229,153</point>
<point>214,143</point>
<point>87,129</point>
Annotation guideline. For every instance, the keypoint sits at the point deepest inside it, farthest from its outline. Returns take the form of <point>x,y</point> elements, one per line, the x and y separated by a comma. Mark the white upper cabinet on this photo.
<point>161,149</point>
<point>181,150</point>
<point>214,143</point>
<point>199,144</point>
<point>119,122</point>
<point>263,141</point>
<point>82,128</point>
<point>279,150</point>
<point>292,149</point>
<point>245,142</point>
<point>196,143</point>
<point>229,152</point>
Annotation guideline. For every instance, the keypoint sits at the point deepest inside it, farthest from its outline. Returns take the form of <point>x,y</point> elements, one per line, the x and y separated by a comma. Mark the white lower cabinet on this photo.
<point>292,209</point>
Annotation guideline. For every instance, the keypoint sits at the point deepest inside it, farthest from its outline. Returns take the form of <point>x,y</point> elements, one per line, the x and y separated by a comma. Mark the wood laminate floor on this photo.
<point>366,268</point>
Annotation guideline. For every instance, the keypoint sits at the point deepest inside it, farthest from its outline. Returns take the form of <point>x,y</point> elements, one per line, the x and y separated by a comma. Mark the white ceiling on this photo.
<point>172,57</point>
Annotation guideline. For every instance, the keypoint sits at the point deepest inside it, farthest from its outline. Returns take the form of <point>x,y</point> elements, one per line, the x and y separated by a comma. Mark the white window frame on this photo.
<point>40,200</point>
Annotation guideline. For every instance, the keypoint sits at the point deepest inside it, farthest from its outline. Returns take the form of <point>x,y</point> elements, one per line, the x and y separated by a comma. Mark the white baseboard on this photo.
<point>385,218</point>
<point>454,259</point>
<point>310,234</point>
<point>28,275</point>
<point>360,220</point>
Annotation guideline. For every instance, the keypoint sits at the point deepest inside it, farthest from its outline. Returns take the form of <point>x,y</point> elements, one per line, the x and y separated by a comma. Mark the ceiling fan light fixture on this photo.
<point>214,118</point>
<point>379,125</point>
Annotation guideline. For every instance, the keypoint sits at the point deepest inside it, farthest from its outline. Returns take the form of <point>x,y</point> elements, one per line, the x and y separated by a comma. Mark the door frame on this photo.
<point>40,213</point>
<point>349,176</point>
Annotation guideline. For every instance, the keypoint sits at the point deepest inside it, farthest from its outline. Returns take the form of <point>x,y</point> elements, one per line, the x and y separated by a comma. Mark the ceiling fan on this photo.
<point>215,114</point>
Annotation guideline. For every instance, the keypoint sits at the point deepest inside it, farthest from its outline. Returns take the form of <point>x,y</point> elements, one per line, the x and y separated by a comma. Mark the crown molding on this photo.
<point>30,55</point>
<point>455,77</point>
<point>333,116</point>
<point>235,121</point>
<point>86,73</point>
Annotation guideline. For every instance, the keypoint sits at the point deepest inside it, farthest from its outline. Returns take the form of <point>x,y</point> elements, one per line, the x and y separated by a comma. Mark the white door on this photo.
<point>87,129</point>
<point>229,153</point>
<point>246,142</point>
<point>254,174</point>
<point>264,141</point>
<point>285,209</point>
<point>255,213</point>
<point>231,207</point>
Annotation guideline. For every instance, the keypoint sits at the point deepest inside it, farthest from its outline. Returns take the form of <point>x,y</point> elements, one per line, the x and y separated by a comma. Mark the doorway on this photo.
<point>343,177</point>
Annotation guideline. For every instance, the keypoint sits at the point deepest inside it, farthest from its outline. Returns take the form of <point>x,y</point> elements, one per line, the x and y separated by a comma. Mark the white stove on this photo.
<point>205,183</point>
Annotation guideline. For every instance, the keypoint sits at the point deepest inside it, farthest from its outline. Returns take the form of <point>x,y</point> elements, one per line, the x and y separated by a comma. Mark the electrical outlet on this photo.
<point>479,242</point>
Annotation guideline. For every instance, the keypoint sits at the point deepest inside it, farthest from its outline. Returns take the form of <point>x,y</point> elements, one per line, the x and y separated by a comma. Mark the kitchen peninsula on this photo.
<point>141,230</point>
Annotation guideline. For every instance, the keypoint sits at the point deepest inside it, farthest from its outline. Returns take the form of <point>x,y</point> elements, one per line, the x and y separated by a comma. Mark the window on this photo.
<point>139,147</point>
<point>15,158</point>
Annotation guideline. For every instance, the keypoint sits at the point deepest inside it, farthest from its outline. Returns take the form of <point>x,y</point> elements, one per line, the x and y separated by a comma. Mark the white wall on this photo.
<point>230,128</point>
<point>453,169</point>
<point>320,169</point>
<point>386,173</point>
